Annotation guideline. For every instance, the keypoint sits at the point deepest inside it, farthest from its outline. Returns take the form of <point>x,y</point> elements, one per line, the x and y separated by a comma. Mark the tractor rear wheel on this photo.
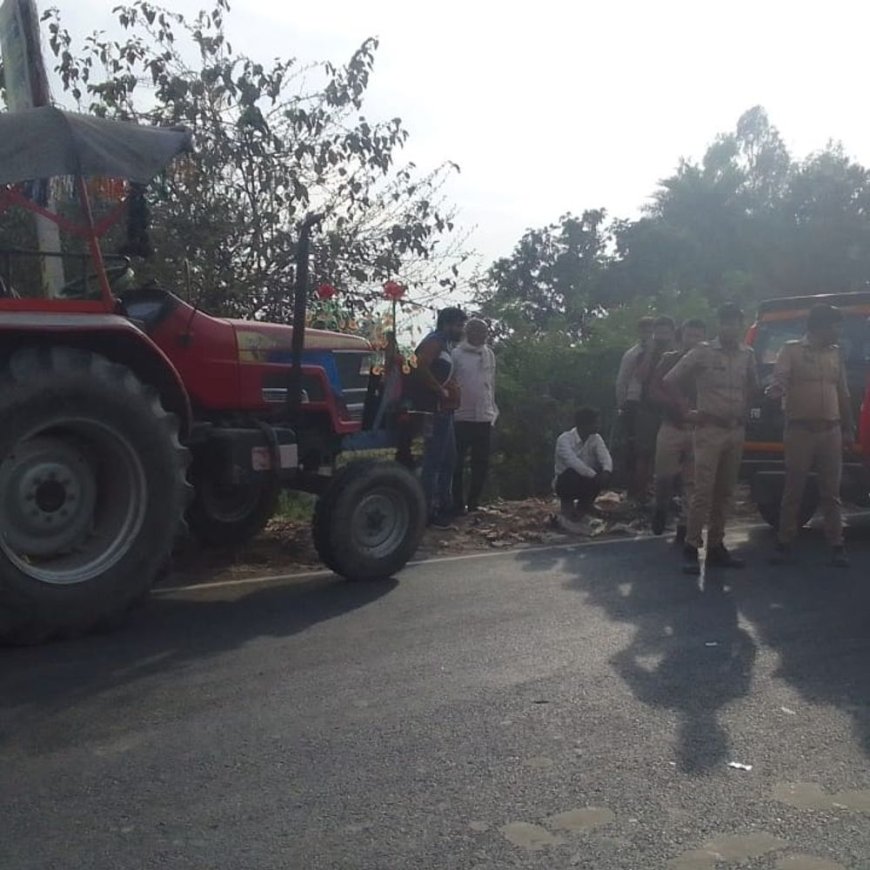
<point>228,515</point>
<point>92,492</point>
<point>369,522</point>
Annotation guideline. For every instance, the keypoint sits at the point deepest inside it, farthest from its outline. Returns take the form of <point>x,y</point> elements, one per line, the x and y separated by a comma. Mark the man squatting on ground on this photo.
<point>474,371</point>
<point>583,465</point>
<point>810,378</point>
<point>674,457</point>
<point>724,377</point>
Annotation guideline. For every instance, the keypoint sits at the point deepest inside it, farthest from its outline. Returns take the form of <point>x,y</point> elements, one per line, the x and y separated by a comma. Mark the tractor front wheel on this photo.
<point>369,522</point>
<point>92,492</point>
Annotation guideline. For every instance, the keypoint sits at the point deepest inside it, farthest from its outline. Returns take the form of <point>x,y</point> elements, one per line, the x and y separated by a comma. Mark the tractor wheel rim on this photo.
<point>73,498</point>
<point>380,523</point>
<point>231,503</point>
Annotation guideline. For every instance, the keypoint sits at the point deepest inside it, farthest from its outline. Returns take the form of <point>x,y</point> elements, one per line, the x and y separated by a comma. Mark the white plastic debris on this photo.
<point>739,765</point>
<point>787,711</point>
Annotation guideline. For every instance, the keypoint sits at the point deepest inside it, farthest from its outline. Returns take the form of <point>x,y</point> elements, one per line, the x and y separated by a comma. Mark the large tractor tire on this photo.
<point>369,522</point>
<point>92,492</point>
<point>229,515</point>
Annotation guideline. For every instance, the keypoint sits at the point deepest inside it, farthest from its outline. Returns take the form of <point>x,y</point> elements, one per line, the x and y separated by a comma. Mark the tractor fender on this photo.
<point>112,336</point>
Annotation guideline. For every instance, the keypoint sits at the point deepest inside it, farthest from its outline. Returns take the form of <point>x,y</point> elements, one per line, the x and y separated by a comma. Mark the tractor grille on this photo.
<point>347,371</point>
<point>353,374</point>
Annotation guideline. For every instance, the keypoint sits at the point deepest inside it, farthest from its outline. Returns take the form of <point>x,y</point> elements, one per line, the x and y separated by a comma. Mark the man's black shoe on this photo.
<point>658,521</point>
<point>839,559</point>
<point>440,521</point>
<point>691,565</point>
<point>782,555</point>
<point>721,558</point>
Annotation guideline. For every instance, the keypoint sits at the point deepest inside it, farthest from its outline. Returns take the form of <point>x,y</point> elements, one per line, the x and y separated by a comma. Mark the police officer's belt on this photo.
<point>707,419</point>
<point>813,425</point>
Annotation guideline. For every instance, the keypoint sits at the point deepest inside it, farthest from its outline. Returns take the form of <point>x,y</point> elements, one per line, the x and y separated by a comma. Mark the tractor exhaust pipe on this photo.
<point>300,306</point>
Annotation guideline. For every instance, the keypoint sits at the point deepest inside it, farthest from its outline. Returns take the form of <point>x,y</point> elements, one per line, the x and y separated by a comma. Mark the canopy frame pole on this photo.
<point>9,197</point>
<point>94,244</point>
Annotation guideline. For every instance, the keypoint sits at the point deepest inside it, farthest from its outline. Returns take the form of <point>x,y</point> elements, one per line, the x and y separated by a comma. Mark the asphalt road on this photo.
<point>570,707</point>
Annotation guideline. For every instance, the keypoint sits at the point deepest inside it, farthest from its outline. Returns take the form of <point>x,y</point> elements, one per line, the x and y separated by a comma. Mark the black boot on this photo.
<point>680,536</point>
<point>659,518</point>
<point>782,555</point>
<point>839,559</point>
<point>721,558</point>
<point>691,565</point>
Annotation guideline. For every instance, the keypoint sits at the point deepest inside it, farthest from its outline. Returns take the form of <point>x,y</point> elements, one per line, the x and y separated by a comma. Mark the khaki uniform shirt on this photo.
<point>813,380</point>
<point>672,412</point>
<point>725,382</point>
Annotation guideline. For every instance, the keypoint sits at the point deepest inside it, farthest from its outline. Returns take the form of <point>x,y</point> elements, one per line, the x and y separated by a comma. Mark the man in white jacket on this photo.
<point>583,464</point>
<point>474,371</point>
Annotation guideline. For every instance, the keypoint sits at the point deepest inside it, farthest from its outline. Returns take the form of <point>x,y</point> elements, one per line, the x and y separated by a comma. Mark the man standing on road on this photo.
<point>810,377</point>
<point>649,415</point>
<point>474,370</point>
<point>434,389</point>
<point>628,396</point>
<point>724,376</point>
<point>674,458</point>
<point>583,465</point>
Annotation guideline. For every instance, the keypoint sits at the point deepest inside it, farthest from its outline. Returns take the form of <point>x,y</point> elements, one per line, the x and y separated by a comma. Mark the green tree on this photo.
<point>827,220</point>
<point>552,280</point>
<point>273,141</point>
<point>715,225</point>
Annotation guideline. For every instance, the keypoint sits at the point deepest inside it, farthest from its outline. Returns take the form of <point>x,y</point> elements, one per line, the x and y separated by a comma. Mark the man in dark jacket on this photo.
<point>434,389</point>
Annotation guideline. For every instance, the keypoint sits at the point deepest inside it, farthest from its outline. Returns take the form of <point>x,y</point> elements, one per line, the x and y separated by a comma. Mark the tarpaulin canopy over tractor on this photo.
<point>47,142</point>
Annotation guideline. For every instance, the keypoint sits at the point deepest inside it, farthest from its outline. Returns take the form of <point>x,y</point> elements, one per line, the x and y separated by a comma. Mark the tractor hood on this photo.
<point>272,342</point>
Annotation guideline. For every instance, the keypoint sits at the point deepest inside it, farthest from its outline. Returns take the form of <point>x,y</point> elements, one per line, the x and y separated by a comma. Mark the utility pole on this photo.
<point>27,88</point>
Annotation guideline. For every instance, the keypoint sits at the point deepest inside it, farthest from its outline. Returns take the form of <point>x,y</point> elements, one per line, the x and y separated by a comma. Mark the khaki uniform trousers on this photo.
<point>807,446</point>
<point>718,451</point>
<point>674,458</point>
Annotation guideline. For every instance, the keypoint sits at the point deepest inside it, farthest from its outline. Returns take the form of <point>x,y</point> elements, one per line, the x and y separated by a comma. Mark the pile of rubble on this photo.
<point>505,524</point>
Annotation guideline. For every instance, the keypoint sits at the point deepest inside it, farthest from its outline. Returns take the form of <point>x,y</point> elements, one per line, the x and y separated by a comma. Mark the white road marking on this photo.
<point>307,575</point>
<point>489,554</point>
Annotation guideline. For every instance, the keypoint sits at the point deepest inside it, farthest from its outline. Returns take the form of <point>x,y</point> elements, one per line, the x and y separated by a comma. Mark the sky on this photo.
<point>551,107</point>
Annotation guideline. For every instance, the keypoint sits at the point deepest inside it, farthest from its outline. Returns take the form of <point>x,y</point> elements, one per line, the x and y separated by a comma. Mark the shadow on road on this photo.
<point>693,659</point>
<point>817,620</point>
<point>171,632</point>
<point>690,654</point>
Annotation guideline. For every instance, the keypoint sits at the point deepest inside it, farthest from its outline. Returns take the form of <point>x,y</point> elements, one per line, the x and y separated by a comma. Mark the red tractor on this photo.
<point>126,412</point>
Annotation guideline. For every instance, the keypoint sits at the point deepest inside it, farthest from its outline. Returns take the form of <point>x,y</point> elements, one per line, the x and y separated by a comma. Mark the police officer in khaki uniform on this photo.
<point>810,377</point>
<point>674,443</point>
<point>724,375</point>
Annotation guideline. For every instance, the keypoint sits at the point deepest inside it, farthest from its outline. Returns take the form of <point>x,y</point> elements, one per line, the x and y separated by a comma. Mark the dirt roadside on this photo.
<point>285,546</point>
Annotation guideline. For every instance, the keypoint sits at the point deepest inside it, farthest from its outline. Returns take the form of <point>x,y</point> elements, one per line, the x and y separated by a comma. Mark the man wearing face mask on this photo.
<point>433,388</point>
<point>674,458</point>
<point>722,375</point>
<point>810,377</point>
<point>629,390</point>
<point>649,413</point>
<point>474,371</point>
